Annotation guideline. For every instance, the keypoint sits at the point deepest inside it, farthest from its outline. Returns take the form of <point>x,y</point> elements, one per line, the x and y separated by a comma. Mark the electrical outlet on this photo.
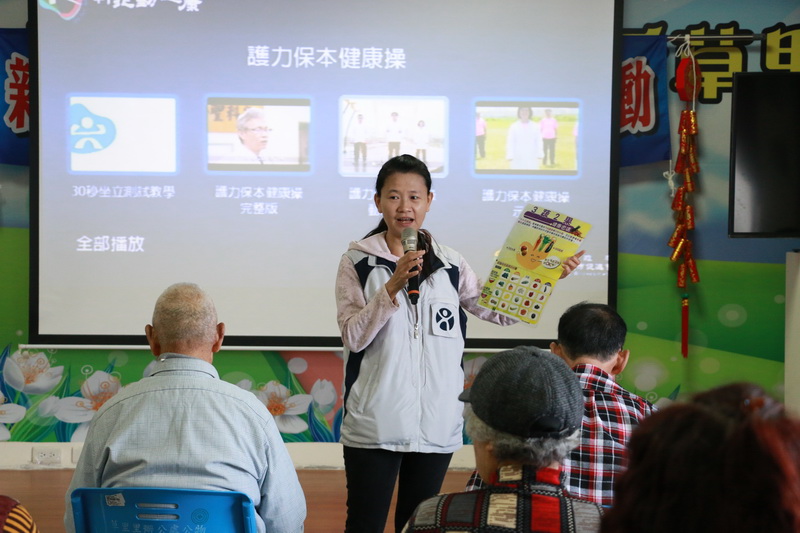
<point>46,455</point>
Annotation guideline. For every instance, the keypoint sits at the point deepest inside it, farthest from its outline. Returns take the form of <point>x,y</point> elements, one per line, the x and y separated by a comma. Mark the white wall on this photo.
<point>19,455</point>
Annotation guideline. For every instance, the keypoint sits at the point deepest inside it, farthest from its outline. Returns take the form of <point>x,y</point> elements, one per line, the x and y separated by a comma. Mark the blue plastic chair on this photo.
<point>135,509</point>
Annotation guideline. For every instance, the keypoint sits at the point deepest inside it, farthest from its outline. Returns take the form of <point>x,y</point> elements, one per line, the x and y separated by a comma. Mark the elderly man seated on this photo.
<point>524,416</point>
<point>183,427</point>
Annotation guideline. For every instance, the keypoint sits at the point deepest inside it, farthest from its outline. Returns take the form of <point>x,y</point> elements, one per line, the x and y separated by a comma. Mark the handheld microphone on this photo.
<point>409,241</point>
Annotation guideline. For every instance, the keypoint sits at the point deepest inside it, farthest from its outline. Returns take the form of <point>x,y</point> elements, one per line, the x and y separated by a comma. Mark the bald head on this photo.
<point>185,321</point>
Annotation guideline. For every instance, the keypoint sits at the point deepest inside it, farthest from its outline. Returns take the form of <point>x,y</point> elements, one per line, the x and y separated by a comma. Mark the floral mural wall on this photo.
<point>42,400</point>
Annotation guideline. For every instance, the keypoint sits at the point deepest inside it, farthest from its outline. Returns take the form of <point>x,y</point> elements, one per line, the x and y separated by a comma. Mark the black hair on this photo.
<point>530,111</point>
<point>591,329</point>
<point>407,164</point>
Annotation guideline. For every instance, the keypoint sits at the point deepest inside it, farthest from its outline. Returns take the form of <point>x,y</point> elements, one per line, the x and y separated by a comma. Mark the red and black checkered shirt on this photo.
<point>610,413</point>
<point>518,498</point>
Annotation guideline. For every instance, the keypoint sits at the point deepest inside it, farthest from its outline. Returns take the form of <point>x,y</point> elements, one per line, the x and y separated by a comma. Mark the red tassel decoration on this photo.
<point>685,326</point>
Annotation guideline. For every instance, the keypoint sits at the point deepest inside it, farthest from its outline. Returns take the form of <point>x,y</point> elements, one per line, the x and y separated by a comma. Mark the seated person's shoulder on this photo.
<point>642,405</point>
<point>15,517</point>
<point>428,512</point>
<point>587,515</point>
<point>634,402</point>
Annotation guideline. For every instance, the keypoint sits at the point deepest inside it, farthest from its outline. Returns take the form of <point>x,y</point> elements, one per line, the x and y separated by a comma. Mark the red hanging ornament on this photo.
<point>691,266</point>
<point>678,250</point>
<point>688,83</point>
<point>677,235</point>
<point>677,200</point>
<point>688,79</point>
<point>688,216</point>
<point>685,326</point>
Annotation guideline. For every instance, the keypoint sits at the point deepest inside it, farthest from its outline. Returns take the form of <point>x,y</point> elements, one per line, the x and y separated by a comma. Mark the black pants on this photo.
<point>371,476</point>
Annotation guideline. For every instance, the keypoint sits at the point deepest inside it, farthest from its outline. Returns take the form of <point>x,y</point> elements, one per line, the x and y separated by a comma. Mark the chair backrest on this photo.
<point>161,510</point>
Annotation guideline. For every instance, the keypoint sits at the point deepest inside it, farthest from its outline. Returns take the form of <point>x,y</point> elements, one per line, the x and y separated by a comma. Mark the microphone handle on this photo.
<point>413,286</point>
<point>413,289</point>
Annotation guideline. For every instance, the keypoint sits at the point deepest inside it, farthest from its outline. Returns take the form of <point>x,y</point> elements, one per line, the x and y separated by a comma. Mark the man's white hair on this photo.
<point>249,114</point>
<point>184,313</point>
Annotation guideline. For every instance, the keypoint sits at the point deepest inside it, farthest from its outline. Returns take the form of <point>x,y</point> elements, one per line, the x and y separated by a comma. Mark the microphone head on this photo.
<point>408,238</point>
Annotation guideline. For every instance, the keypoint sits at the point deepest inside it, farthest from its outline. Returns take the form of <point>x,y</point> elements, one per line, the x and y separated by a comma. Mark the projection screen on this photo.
<point>235,144</point>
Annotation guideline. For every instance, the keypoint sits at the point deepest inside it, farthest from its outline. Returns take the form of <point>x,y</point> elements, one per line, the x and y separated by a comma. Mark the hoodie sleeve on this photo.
<point>359,320</point>
<point>469,290</point>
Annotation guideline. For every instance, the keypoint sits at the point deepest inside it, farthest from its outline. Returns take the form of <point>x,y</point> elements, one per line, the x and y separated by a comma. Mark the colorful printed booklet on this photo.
<point>529,264</point>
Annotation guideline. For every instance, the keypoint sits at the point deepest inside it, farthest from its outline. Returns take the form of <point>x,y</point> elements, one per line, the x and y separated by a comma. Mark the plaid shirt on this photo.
<point>518,498</point>
<point>610,414</point>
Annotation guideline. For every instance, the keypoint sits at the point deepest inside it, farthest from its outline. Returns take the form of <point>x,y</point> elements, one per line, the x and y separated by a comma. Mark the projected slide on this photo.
<point>258,134</point>
<point>236,145</point>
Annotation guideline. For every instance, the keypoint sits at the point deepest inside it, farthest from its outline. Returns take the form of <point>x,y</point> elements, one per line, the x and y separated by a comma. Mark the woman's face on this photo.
<point>524,114</point>
<point>404,201</point>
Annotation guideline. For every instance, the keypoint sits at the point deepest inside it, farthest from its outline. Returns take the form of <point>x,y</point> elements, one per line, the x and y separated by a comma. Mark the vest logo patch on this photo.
<point>445,319</point>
